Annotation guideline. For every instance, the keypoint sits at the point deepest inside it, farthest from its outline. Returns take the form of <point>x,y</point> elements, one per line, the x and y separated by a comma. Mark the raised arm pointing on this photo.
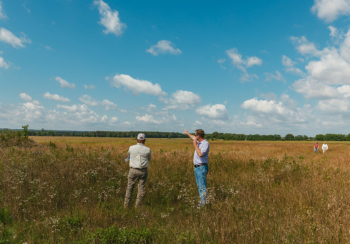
<point>190,135</point>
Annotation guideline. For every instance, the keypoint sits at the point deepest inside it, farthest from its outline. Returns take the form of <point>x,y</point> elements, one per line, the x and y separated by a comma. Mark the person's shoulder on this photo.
<point>206,142</point>
<point>133,146</point>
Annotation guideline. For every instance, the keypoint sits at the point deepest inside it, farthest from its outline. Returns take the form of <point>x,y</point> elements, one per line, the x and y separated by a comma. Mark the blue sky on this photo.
<point>266,67</point>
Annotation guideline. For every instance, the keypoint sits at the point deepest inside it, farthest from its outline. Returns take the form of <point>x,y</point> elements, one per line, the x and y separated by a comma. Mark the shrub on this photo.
<point>15,138</point>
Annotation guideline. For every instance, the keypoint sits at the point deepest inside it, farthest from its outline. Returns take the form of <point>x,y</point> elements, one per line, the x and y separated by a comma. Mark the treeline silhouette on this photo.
<point>169,135</point>
<point>157,134</point>
<point>332,137</point>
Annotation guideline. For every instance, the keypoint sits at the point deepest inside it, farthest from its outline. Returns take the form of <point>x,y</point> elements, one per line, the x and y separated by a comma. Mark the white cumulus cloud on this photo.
<point>198,122</point>
<point>111,106</point>
<point>2,12</point>
<point>217,111</point>
<point>74,108</point>
<point>329,10</point>
<point>277,76</point>
<point>264,106</point>
<point>334,106</point>
<point>137,86</point>
<point>289,64</point>
<point>33,105</point>
<point>64,83</point>
<point>3,64</point>
<point>163,47</point>
<point>344,90</point>
<point>253,61</point>
<point>221,61</point>
<point>181,100</point>
<point>328,68</point>
<point>333,31</point>
<point>185,97</point>
<point>276,114</point>
<point>313,89</point>
<point>236,58</point>
<point>151,108</point>
<point>287,61</point>
<point>150,119</point>
<point>113,120</point>
<point>76,117</point>
<point>252,123</point>
<point>8,37</point>
<point>109,18</point>
<point>55,97</point>
<point>88,100</point>
<point>91,87</point>
<point>242,64</point>
<point>25,97</point>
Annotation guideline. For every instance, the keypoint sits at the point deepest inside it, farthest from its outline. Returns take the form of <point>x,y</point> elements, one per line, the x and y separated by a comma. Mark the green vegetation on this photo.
<point>15,138</point>
<point>59,192</point>
<point>169,135</point>
<point>332,137</point>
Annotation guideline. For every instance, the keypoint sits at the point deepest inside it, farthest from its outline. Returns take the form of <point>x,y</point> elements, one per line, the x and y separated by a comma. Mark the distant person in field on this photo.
<point>316,147</point>
<point>324,147</point>
<point>140,155</point>
<point>200,161</point>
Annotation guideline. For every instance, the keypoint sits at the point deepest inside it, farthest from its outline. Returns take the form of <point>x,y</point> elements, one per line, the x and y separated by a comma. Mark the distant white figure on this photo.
<point>324,147</point>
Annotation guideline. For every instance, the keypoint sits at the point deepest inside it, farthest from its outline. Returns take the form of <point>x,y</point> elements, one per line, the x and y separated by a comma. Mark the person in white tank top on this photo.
<point>324,147</point>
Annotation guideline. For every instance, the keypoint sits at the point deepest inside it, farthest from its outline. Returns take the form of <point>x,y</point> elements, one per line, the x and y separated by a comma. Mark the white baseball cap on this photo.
<point>141,137</point>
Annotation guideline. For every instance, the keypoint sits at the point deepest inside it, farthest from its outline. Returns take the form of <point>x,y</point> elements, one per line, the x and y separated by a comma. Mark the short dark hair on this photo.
<point>200,133</point>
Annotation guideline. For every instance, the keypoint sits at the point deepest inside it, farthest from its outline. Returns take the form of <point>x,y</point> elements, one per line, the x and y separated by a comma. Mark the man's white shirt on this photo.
<point>324,147</point>
<point>140,155</point>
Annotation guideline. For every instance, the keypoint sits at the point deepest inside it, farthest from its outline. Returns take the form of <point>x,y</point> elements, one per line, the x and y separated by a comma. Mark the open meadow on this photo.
<point>71,190</point>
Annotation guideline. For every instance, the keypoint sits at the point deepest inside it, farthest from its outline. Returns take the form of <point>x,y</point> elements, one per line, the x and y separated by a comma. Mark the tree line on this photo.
<point>332,137</point>
<point>257,137</point>
<point>169,135</point>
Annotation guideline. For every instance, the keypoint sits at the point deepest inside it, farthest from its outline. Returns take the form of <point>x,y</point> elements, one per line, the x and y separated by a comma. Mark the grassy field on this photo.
<point>71,190</point>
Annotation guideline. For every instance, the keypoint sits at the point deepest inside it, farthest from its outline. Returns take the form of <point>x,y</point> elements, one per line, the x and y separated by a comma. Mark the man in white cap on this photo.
<point>140,155</point>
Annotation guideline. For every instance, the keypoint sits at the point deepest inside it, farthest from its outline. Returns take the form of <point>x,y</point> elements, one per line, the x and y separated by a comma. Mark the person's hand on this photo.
<point>195,142</point>
<point>186,132</point>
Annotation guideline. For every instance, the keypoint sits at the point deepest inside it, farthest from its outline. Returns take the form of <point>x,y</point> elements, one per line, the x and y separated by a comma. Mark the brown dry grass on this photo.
<point>259,192</point>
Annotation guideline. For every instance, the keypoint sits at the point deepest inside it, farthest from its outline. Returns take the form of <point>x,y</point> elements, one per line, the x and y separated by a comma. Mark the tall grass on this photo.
<point>72,191</point>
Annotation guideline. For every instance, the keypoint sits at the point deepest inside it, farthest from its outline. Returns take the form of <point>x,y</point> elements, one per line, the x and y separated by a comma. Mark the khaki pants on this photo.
<point>134,175</point>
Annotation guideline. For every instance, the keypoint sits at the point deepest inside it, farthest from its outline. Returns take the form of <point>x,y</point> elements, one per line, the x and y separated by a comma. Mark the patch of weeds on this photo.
<point>106,206</point>
<point>114,234</point>
<point>280,177</point>
<point>165,200</point>
<point>6,220</point>
<point>252,163</point>
<point>7,236</point>
<point>5,216</point>
<point>186,238</point>
<point>74,222</point>
<point>52,145</point>
<point>326,176</point>
<point>266,165</point>
<point>69,149</point>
